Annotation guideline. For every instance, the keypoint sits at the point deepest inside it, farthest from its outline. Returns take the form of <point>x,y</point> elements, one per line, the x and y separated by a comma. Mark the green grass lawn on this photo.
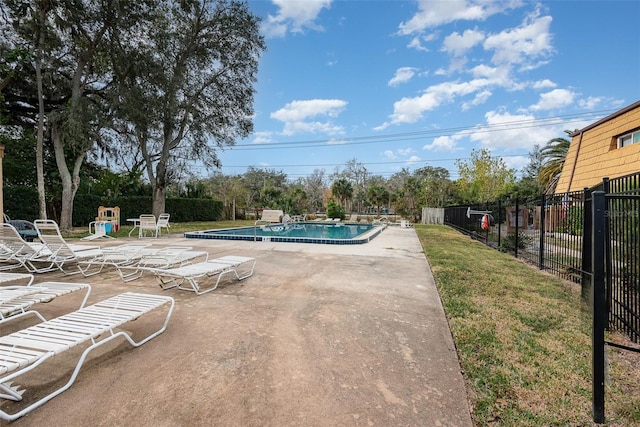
<point>177,228</point>
<point>523,338</point>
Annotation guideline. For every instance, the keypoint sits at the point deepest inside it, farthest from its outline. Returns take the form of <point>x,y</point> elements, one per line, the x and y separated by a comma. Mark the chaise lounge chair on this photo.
<point>114,256</point>
<point>25,350</point>
<point>159,258</point>
<point>61,252</point>
<point>17,301</point>
<point>12,277</point>
<point>15,252</point>
<point>187,277</point>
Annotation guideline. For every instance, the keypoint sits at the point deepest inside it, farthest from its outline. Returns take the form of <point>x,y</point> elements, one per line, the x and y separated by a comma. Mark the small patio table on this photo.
<point>136,224</point>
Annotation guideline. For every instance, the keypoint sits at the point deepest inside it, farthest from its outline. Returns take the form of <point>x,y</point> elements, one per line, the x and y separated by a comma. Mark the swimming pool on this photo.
<point>297,232</point>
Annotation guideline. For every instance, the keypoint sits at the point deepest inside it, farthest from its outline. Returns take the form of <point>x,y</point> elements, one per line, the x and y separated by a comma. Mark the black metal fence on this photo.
<point>622,254</point>
<point>615,261</point>
<point>591,237</point>
<point>546,231</point>
<point>553,233</point>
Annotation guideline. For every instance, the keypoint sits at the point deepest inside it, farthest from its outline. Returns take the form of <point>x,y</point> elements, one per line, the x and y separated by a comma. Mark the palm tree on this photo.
<point>378,196</point>
<point>343,190</point>
<point>553,156</point>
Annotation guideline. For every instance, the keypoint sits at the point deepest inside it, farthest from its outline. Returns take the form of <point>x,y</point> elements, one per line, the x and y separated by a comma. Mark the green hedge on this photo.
<point>22,203</point>
<point>181,209</point>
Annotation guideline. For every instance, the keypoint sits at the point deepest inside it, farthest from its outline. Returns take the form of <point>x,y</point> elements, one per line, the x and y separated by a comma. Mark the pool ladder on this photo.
<point>255,228</point>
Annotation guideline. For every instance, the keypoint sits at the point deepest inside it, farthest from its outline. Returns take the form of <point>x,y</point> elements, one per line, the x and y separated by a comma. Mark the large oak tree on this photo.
<point>185,86</point>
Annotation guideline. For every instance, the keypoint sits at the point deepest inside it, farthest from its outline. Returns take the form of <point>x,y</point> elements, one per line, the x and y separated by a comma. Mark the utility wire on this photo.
<point>377,139</point>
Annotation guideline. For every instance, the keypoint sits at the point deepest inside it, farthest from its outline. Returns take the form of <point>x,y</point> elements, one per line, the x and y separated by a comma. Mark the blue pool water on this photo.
<point>298,232</point>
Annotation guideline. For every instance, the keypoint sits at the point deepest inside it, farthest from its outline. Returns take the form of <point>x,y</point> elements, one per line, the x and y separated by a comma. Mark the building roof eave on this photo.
<point>605,119</point>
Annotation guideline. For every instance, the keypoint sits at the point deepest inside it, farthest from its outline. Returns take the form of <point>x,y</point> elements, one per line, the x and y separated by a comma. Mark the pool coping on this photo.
<point>365,238</point>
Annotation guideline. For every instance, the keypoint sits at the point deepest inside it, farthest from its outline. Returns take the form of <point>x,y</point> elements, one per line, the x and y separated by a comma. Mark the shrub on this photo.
<point>334,210</point>
<point>508,243</point>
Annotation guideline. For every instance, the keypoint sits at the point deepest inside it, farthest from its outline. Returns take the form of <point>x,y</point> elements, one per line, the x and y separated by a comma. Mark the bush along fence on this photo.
<point>591,237</point>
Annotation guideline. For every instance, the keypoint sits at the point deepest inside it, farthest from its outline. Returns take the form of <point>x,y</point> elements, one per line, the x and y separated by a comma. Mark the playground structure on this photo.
<point>110,217</point>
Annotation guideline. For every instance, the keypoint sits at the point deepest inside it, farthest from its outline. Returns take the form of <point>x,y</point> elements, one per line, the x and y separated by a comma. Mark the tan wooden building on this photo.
<point>607,148</point>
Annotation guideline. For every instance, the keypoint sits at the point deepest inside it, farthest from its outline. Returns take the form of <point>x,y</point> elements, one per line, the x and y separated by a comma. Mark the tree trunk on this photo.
<point>159,199</point>
<point>160,189</point>
<point>70,182</point>
<point>42,201</point>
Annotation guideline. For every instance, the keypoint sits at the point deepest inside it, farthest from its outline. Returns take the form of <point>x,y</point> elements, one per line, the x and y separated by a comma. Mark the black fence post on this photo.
<point>543,202</point>
<point>606,187</point>
<point>499,222</point>
<point>599,309</point>
<point>586,280</point>
<point>517,228</point>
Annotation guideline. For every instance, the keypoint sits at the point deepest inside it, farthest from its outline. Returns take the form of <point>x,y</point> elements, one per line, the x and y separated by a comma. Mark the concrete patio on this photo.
<point>320,335</point>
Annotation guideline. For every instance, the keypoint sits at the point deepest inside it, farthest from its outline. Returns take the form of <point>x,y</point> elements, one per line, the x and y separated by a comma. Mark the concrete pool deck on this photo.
<point>320,335</point>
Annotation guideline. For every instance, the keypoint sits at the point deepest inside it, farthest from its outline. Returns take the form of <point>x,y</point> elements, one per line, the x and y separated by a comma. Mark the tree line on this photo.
<point>482,178</point>
<point>146,86</point>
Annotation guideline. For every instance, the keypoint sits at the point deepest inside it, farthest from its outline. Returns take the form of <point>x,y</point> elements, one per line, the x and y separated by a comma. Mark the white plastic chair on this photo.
<point>163,222</point>
<point>99,230</point>
<point>147,224</point>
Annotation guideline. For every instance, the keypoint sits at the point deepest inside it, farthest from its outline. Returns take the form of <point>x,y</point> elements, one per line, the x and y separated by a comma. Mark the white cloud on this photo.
<point>294,16</point>
<point>501,73</point>
<point>296,116</point>
<point>410,110</point>
<point>403,75</point>
<point>434,13</point>
<point>458,44</point>
<point>442,143</point>
<point>516,162</point>
<point>416,43</point>
<point>590,103</point>
<point>543,84</point>
<point>480,98</point>
<point>262,137</point>
<point>413,159</point>
<point>389,154</point>
<point>515,132</point>
<point>532,40</point>
<point>557,98</point>
<point>405,151</point>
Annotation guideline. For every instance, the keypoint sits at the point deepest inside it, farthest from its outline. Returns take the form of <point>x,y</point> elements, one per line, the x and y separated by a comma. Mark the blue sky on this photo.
<point>406,84</point>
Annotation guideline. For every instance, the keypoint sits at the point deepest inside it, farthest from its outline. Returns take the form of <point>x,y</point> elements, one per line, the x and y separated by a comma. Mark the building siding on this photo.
<point>597,154</point>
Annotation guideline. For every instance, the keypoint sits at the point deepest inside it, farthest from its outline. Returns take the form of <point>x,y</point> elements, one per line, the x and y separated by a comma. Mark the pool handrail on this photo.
<point>255,228</point>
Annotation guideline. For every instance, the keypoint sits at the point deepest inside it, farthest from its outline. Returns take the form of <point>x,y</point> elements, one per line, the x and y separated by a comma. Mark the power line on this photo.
<point>406,162</point>
<point>463,130</point>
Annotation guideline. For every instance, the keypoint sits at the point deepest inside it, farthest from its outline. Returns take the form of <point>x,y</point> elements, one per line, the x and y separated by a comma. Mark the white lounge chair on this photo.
<point>187,277</point>
<point>166,257</point>
<point>15,252</point>
<point>25,350</point>
<point>13,277</point>
<point>114,256</point>
<point>16,301</point>
<point>61,252</point>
